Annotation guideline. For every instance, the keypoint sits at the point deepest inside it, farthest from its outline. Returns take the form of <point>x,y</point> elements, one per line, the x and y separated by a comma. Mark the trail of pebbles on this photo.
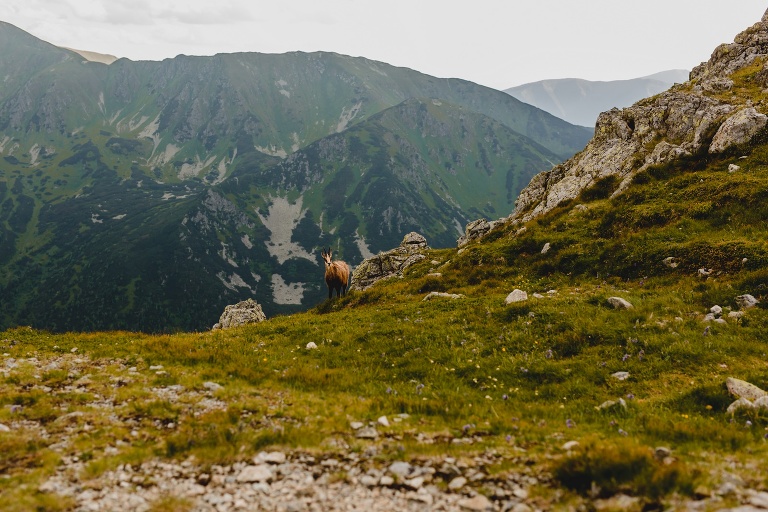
<point>299,482</point>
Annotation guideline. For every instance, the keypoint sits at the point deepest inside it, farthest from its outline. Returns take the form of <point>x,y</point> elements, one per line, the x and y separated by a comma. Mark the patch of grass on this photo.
<point>603,468</point>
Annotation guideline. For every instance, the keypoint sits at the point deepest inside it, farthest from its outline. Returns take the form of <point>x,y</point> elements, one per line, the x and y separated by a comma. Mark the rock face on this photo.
<point>245,312</point>
<point>391,263</point>
<point>687,119</point>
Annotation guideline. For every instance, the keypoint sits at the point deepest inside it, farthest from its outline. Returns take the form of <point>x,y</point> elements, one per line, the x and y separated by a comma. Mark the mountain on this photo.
<point>581,101</point>
<point>149,195</point>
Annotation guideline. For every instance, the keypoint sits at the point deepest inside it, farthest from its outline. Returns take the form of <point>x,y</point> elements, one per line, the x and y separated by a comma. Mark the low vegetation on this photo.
<point>454,376</point>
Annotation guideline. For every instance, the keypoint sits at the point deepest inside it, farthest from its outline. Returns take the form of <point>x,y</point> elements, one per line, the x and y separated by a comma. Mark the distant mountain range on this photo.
<point>581,101</point>
<point>149,195</point>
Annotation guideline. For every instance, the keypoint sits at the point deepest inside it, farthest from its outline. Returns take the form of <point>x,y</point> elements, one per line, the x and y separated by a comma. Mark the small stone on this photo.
<point>570,445</point>
<point>736,314</point>
<point>442,295</point>
<point>671,262</point>
<point>457,483</point>
<point>662,452</point>
<point>356,425</point>
<point>383,421</point>
<point>212,386</point>
<point>367,433</point>
<point>746,301</point>
<point>759,499</point>
<point>415,483</point>
<point>477,503</point>
<point>369,481</point>
<point>716,310</point>
<point>400,468</point>
<point>311,345</point>
<point>620,375</point>
<point>546,248</point>
<point>516,296</point>
<point>619,303</point>
<point>743,389</point>
<point>250,474</point>
<point>386,481</point>
<point>733,168</point>
<point>741,403</point>
<point>271,457</point>
<point>4,428</point>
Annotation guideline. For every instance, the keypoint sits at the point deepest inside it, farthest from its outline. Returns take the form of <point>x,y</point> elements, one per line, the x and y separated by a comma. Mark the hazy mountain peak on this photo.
<point>580,101</point>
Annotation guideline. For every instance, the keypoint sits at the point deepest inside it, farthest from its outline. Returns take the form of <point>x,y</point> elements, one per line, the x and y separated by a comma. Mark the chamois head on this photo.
<point>336,274</point>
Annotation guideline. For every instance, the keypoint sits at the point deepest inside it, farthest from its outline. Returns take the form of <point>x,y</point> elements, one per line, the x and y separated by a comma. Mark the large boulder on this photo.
<point>475,230</point>
<point>390,263</point>
<point>738,129</point>
<point>245,312</point>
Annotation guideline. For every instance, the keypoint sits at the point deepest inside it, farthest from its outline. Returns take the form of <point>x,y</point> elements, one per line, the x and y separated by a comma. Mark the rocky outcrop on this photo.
<point>391,263</point>
<point>687,119</point>
<point>245,312</point>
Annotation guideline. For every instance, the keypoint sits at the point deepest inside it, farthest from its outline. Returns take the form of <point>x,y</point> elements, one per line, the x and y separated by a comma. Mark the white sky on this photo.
<point>497,43</point>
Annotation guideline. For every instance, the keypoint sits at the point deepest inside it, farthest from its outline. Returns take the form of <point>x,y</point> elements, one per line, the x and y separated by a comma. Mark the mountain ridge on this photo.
<point>192,154</point>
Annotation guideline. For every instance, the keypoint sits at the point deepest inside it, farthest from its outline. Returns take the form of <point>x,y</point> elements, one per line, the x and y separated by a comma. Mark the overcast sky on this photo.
<point>497,43</point>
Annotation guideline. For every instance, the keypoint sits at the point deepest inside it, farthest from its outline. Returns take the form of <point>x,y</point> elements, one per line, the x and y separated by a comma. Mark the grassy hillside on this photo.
<point>473,375</point>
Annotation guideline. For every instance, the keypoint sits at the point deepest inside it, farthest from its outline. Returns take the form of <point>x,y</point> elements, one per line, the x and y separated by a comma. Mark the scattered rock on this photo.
<point>671,262</point>
<point>383,421</point>
<point>356,425</point>
<point>212,386</point>
<point>271,457</point>
<point>251,474</point>
<point>743,389</point>
<point>243,313</point>
<point>570,445</point>
<point>746,301</point>
<point>457,483</point>
<point>716,310</point>
<point>740,128</point>
<point>546,248</point>
<point>367,433</point>
<point>389,264</point>
<point>741,403</point>
<point>614,404</point>
<point>620,375</point>
<point>733,168</point>
<point>474,231</point>
<point>442,295</point>
<point>477,503</point>
<point>400,469</point>
<point>619,303</point>
<point>311,345</point>
<point>516,296</point>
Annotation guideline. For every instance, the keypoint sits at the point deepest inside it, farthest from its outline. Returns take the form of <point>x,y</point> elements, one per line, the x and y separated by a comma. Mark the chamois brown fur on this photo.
<point>336,274</point>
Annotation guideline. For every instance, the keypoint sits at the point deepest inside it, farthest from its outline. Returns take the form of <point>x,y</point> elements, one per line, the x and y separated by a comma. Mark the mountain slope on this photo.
<point>581,101</point>
<point>149,195</point>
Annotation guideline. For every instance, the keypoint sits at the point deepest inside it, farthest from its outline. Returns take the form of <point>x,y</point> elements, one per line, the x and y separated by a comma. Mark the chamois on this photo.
<point>336,274</point>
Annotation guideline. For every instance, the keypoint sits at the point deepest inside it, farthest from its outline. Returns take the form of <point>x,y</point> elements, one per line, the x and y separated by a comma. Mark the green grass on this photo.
<point>527,376</point>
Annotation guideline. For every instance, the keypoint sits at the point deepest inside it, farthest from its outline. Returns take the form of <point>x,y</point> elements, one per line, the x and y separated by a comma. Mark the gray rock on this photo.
<point>741,403</point>
<point>743,389</point>
<point>442,295</point>
<point>746,301</point>
<point>251,474</point>
<point>619,303</point>
<point>740,128</point>
<point>457,483</point>
<point>716,310</point>
<point>477,503</point>
<point>474,231</point>
<point>546,248</point>
<point>389,264</point>
<point>400,469</point>
<point>367,433</point>
<point>671,262</point>
<point>733,168</point>
<point>516,296</point>
<point>620,375</point>
<point>245,312</point>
